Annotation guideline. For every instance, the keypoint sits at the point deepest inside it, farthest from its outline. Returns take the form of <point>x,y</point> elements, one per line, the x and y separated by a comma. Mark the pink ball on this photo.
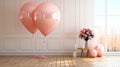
<point>100,54</point>
<point>92,53</point>
<point>100,50</point>
<point>47,17</point>
<point>26,16</point>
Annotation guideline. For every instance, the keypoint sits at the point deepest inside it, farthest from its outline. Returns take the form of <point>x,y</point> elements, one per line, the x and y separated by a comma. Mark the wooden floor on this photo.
<point>59,61</point>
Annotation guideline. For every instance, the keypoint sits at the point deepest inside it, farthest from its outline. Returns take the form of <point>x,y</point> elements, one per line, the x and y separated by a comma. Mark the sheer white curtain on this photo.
<point>107,23</point>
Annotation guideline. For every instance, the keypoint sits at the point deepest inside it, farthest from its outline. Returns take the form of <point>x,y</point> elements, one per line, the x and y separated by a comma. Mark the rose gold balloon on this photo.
<point>26,16</point>
<point>92,53</point>
<point>100,50</point>
<point>47,17</point>
<point>100,53</point>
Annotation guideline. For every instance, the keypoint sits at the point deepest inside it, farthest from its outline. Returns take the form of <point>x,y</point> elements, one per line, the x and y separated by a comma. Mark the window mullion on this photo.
<point>106,32</point>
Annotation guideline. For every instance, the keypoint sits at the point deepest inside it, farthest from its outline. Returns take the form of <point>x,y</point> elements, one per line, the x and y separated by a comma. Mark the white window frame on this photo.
<point>106,52</point>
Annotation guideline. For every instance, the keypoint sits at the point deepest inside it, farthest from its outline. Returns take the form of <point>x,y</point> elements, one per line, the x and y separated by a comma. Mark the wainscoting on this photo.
<point>16,40</point>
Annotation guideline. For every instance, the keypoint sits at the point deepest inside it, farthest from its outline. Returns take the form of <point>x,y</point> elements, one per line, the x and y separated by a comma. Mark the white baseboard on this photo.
<point>5,53</point>
<point>35,53</point>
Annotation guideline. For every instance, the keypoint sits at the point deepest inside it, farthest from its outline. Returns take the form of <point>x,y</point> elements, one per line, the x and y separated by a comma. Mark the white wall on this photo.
<point>16,40</point>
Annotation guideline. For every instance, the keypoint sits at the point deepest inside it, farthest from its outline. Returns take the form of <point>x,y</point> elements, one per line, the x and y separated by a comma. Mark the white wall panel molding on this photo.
<point>69,44</point>
<point>54,44</point>
<point>89,13</point>
<point>39,43</point>
<point>1,44</point>
<point>1,17</point>
<point>70,35</point>
<point>9,44</point>
<point>69,16</point>
<point>25,44</point>
<point>9,24</point>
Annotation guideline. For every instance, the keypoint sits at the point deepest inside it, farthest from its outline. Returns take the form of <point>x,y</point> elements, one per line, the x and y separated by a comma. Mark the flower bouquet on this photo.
<point>86,34</point>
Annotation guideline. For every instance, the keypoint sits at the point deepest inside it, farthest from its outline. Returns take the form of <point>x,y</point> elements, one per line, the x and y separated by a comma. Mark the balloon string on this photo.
<point>33,43</point>
<point>44,45</point>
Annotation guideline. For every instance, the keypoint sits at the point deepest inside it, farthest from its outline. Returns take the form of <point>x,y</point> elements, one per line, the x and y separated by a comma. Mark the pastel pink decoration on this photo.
<point>47,17</point>
<point>100,50</point>
<point>92,53</point>
<point>86,34</point>
<point>26,16</point>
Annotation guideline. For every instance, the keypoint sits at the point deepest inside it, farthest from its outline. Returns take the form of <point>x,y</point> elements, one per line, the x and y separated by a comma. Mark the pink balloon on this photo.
<point>47,17</point>
<point>92,53</point>
<point>100,54</point>
<point>26,16</point>
<point>100,50</point>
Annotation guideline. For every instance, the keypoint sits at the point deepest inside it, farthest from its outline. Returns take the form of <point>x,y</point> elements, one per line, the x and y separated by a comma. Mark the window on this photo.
<point>107,23</point>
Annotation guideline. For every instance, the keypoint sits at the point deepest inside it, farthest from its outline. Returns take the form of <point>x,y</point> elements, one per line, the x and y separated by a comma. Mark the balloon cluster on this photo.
<point>44,16</point>
<point>97,51</point>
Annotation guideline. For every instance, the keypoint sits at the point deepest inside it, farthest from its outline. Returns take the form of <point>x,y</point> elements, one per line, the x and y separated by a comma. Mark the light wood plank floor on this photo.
<point>59,61</point>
